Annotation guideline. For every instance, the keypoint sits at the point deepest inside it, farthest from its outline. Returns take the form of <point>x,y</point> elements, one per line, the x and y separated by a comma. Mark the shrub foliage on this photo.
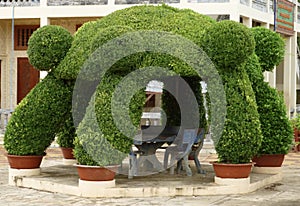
<point>34,123</point>
<point>47,46</point>
<point>229,44</point>
<point>276,129</point>
<point>269,47</point>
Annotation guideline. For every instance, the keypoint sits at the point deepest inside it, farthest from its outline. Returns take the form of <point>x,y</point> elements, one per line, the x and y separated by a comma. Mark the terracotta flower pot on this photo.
<point>67,153</point>
<point>268,160</point>
<point>24,162</point>
<point>224,170</point>
<point>96,173</point>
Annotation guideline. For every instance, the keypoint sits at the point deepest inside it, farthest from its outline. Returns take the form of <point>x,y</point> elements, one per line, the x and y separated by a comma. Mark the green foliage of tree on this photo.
<point>47,46</point>
<point>276,128</point>
<point>269,47</point>
<point>33,125</point>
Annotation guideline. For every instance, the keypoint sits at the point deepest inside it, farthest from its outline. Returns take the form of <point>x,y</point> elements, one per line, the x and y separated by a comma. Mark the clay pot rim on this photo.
<point>259,155</point>
<point>10,155</point>
<point>93,166</point>
<point>231,164</point>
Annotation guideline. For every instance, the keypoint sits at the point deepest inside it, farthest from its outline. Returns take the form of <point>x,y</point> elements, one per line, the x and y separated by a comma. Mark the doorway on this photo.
<point>27,78</point>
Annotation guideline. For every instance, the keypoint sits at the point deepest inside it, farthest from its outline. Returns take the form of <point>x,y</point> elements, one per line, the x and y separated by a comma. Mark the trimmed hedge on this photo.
<point>112,146</point>
<point>47,46</point>
<point>269,47</point>
<point>33,125</point>
<point>67,132</point>
<point>276,128</point>
<point>159,18</point>
<point>241,137</point>
<point>228,44</point>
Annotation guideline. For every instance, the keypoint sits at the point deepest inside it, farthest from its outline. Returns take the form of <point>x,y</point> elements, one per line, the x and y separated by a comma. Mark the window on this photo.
<point>22,35</point>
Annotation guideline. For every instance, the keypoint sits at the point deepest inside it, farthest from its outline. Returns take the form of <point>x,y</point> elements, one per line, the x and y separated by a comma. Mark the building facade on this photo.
<point>19,18</point>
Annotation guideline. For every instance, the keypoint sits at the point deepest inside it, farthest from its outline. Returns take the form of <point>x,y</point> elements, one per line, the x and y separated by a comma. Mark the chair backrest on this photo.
<point>200,136</point>
<point>189,136</point>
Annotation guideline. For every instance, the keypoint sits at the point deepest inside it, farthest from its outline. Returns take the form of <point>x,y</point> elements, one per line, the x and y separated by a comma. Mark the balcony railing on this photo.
<point>208,1</point>
<point>245,2</point>
<point>75,2</point>
<point>146,1</point>
<point>260,5</point>
<point>4,3</point>
<point>298,15</point>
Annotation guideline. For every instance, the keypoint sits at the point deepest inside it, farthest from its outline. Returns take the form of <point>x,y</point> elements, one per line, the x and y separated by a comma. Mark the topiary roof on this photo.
<point>187,23</point>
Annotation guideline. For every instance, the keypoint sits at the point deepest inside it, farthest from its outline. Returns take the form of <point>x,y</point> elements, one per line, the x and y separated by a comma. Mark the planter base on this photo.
<point>94,188</point>
<point>237,182</point>
<point>69,161</point>
<point>266,170</point>
<point>13,174</point>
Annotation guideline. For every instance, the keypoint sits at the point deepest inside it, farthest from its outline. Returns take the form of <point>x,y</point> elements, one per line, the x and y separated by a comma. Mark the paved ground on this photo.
<point>284,193</point>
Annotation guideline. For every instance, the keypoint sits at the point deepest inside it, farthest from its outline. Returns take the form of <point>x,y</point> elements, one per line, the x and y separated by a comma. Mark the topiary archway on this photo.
<point>186,23</point>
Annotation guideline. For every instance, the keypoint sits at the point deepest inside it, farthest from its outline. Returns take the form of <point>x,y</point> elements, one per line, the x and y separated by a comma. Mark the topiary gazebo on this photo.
<point>135,44</point>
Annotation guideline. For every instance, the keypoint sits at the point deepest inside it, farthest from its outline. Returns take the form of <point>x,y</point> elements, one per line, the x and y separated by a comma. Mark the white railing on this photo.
<point>245,2</point>
<point>75,2</point>
<point>208,1</point>
<point>4,3</point>
<point>298,15</point>
<point>146,1</point>
<point>271,7</point>
<point>260,5</point>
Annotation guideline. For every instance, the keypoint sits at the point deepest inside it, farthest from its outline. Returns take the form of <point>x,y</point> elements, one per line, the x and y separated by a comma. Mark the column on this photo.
<point>294,67</point>
<point>44,21</point>
<point>287,71</point>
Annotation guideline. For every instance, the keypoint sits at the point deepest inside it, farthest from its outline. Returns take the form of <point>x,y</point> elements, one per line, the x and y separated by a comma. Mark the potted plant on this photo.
<point>100,146</point>
<point>229,44</point>
<point>276,127</point>
<point>33,124</point>
<point>66,136</point>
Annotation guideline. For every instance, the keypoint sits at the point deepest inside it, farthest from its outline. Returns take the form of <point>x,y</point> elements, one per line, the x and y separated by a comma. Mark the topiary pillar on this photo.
<point>34,123</point>
<point>276,129</point>
<point>229,45</point>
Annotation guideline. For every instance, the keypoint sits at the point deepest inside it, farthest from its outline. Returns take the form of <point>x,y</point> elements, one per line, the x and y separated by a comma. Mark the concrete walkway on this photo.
<point>285,192</point>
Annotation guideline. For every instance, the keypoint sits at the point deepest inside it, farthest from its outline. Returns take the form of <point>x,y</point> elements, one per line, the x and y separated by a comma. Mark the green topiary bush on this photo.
<point>229,44</point>
<point>269,47</point>
<point>184,22</point>
<point>33,125</point>
<point>110,146</point>
<point>47,46</point>
<point>276,129</point>
<point>66,133</point>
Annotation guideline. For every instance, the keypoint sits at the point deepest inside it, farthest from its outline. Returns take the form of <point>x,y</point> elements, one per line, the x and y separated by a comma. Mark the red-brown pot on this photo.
<point>296,133</point>
<point>24,162</point>
<point>96,173</point>
<point>67,153</point>
<point>268,160</point>
<point>224,170</point>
